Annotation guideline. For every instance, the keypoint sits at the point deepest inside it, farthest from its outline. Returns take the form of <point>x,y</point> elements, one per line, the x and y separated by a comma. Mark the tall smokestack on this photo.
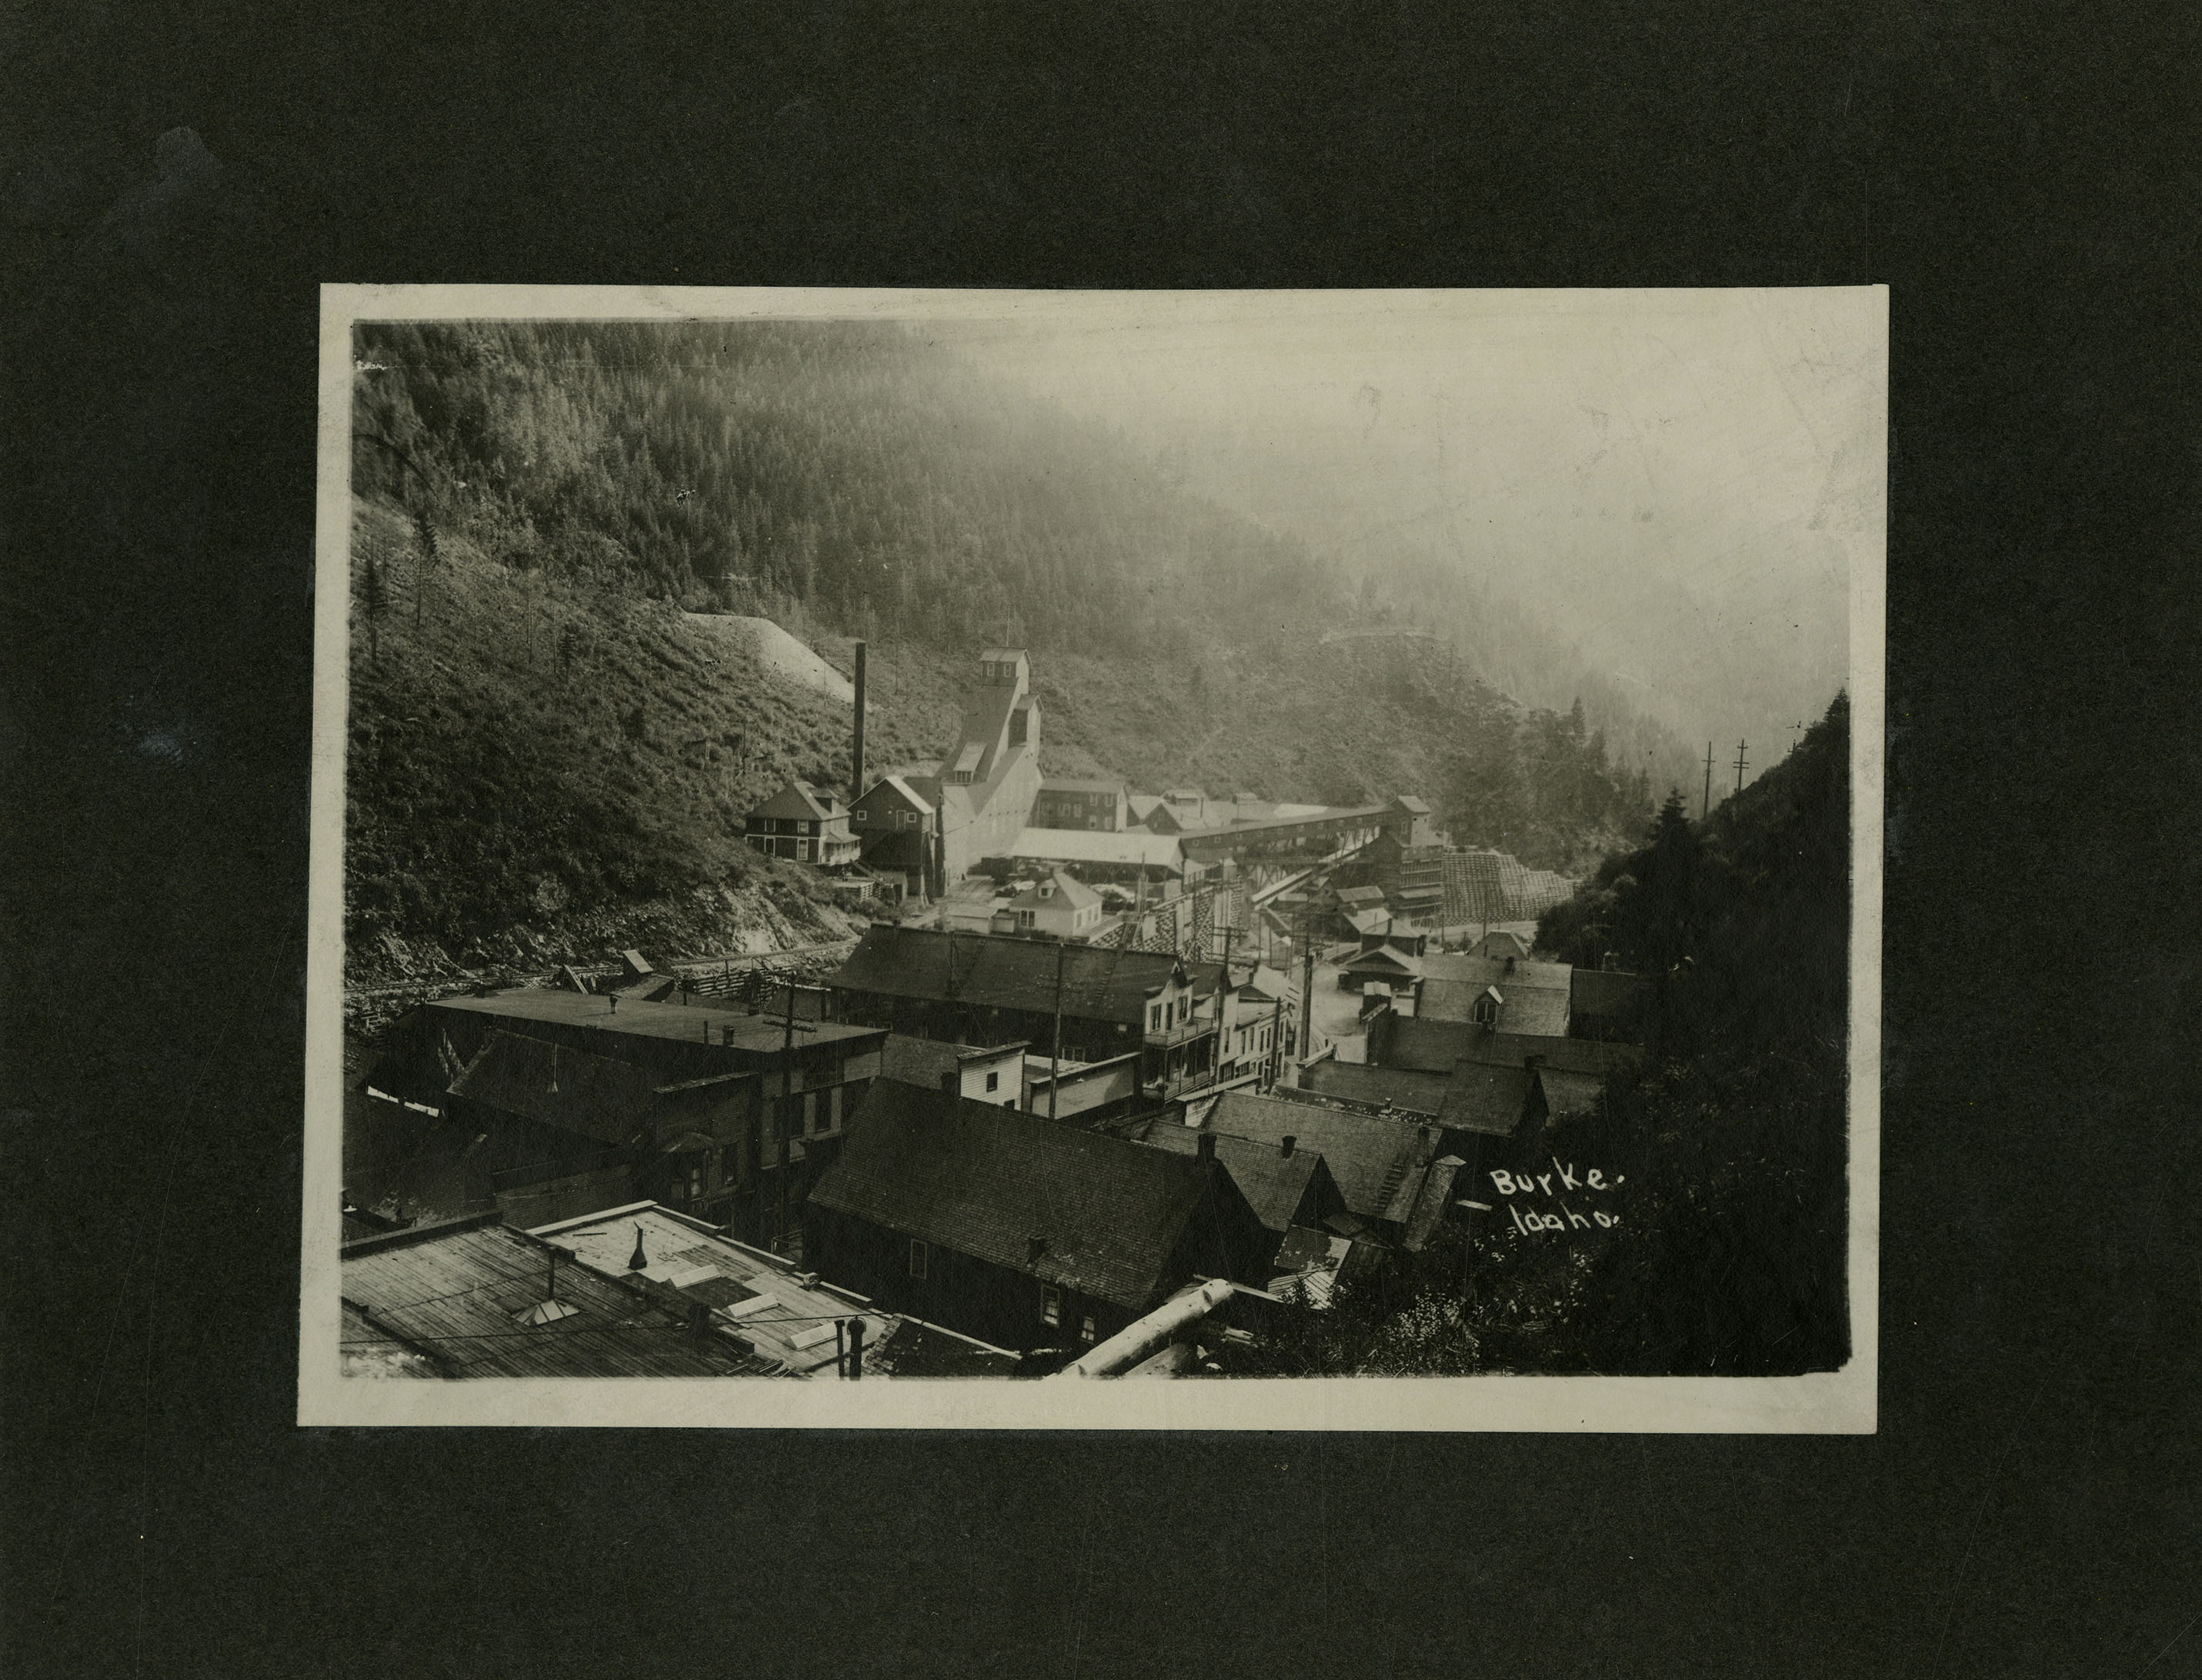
<point>856,756</point>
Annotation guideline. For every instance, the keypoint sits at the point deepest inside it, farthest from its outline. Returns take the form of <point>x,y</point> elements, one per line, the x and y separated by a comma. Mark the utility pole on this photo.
<point>1706,808</point>
<point>1055,1057</point>
<point>1222,995</point>
<point>1796,735</point>
<point>786,1119</point>
<point>1738,766</point>
<point>1307,977</point>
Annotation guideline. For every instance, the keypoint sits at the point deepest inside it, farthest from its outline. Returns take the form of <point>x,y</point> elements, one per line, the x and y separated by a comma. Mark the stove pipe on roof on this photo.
<point>638,1260</point>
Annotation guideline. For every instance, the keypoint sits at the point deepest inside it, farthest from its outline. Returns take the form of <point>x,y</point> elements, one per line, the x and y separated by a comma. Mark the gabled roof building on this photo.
<point>1056,907</point>
<point>898,828</point>
<point>1024,1232</point>
<point>985,989</point>
<point>1393,1175</point>
<point>1512,994</point>
<point>804,823</point>
<point>1285,1186</point>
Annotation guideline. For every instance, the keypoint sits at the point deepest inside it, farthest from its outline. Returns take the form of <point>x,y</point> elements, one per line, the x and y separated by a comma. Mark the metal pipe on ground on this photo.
<point>1143,1336</point>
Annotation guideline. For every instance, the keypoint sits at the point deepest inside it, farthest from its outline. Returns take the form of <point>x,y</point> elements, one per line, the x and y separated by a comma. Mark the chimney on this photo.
<point>638,1260</point>
<point>856,749</point>
<point>952,1081</point>
<point>1204,1147</point>
<point>1286,1144</point>
<point>1035,1247</point>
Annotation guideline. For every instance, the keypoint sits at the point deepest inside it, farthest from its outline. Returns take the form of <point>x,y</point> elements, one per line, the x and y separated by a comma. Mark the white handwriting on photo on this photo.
<point>1531,1221</point>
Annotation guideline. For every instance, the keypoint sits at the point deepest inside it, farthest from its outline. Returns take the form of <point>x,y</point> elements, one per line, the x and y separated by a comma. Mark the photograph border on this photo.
<point>1838,1402</point>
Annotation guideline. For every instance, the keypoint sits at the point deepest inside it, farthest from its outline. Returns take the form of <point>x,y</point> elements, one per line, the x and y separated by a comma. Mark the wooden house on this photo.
<point>1021,1231</point>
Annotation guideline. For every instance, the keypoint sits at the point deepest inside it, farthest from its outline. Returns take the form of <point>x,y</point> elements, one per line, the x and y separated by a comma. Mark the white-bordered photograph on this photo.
<point>1088,859</point>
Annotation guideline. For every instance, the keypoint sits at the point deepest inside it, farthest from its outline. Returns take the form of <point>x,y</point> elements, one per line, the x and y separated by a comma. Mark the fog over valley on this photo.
<point>1679,485</point>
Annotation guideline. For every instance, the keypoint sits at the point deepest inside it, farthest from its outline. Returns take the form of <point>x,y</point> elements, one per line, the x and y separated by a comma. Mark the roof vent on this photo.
<point>545,1312</point>
<point>1286,1144</point>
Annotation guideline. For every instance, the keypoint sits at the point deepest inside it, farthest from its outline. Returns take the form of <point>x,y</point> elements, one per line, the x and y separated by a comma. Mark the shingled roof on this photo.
<point>987,1182</point>
<point>1425,1045</point>
<point>1377,1162</point>
<point>1358,1082</point>
<point>1274,1183</point>
<point>1099,982</point>
<point>801,800</point>
<point>1491,1100</point>
<point>1534,996</point>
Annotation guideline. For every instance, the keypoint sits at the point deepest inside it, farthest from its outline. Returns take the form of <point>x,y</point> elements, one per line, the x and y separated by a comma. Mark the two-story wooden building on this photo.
<point>898,829</point>
<point>802,1082</point>
<point>1024,1232</point>
<point>985,990</point>
<point>806,823</point>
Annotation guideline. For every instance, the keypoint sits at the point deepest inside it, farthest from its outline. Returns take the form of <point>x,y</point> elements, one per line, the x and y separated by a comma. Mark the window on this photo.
<point>1155,1018</point>
<point>1051,1305</point>
<point>918,1256</point>
<point>1486,1011</point>
<point>809,1113</point>
<point>993,1082</point>
<point>856,818</point>
<point>695,1178</point>
<point>1086,1330</point>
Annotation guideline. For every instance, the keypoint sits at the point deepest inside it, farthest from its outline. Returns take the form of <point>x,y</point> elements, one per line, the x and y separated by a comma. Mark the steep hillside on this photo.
<point>541,771</point>
<point>1730,1258</point>
<point>541,730</point>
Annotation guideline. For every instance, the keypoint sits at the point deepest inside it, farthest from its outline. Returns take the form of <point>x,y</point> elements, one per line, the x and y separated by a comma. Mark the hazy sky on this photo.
<point>1682,482</point>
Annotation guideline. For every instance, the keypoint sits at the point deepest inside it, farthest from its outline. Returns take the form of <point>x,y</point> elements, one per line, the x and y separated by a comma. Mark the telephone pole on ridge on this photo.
<point>1738,766</point>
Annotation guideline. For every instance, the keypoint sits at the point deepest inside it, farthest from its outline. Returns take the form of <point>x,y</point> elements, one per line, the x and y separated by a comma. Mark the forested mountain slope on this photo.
<point>1731,1148</point>
<point>538,732</point>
